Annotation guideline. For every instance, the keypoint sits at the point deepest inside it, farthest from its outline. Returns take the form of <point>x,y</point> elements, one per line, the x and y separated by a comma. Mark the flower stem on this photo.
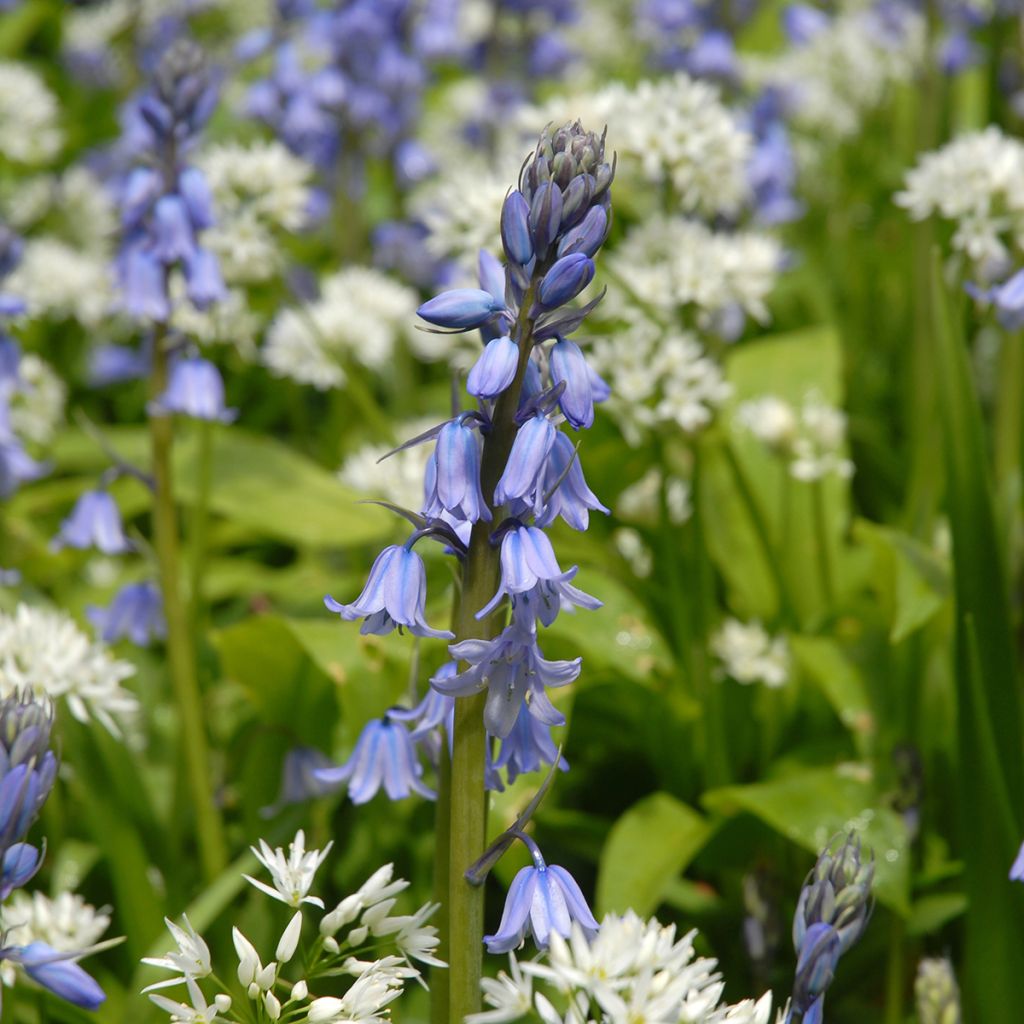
<point>467,799</point>
<point>200,522</point>
<point>180,649</point>
<point>824,551</point>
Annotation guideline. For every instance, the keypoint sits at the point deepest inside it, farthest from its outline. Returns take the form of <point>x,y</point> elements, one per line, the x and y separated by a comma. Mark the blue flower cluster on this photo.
<point>346,82</point>
<point>498,476</point>
<point>28,768</point>
<point>165,203</point>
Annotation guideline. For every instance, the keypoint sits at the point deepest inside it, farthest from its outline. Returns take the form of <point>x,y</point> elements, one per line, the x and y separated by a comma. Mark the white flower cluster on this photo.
<point>976,181</point>
<point>258,190</point>
<point>66,924</point>
<point>61,280</point>
<point>845,70</point>
<point>749,654</point>
<point>634,970</point>
<point>671,264</point>
<point>658,377</point>
<point>399,478</point>
<point>673,132</point>
<point>44,652</point>
<point>29,132</point>
<point>360,316</point>
<point>37,402</point>
<point>364,917</point>
<point>641,501</point>
<point>811,438</point>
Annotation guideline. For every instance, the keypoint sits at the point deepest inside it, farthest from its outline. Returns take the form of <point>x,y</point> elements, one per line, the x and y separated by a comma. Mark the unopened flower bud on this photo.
<point>299,991</point>
<point>289,939</point>
<point>460,309</point>
<point>936,993</point>
<point>515,228</point>
<point>565,280</point>
<point>272,1005</point>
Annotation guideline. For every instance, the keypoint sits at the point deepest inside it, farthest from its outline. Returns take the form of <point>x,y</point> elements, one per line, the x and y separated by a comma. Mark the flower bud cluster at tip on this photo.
<point>832,914</point>
<point>166,203</point>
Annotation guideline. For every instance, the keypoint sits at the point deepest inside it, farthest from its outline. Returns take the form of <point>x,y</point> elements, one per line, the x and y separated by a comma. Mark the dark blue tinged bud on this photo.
<point>816,965</point>
<point>588,236</point>
<point>515,229</point>
<point>565,280</point>
<point>576,199</point>
<point>460,309</point>
<point>545,217</point>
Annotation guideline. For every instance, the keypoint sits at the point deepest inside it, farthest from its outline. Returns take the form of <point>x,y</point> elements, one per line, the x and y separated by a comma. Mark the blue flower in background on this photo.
<point>195,389</point>
<point>94,522</point>
<point>136,612</point>
<point>57,972</point>
<point>384,755</point>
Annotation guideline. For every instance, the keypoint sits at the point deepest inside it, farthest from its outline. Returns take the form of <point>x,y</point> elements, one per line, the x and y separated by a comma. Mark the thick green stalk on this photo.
<point>200,523</point>
<point>180,649</point>
<point>467,799</point>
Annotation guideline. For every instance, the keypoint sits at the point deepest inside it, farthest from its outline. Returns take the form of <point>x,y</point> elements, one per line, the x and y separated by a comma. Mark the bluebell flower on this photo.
<point>57,972</point>
<point>385,756</point>
<point>802,22</point>
<point>20,863</point>
<point>94,522</point>
<point>17,467</point>
<point>527,559</point>
<point>394,596</point>
<point>461,309</point>
<point>115,364</point>
<point>530,450</point>
<point>516,238</point>
<point>456,476</point>
<point>495,370</point>
<point>136,612</point>
<point>815,968</point>
<point>542,899</point>
<point>569,367</point>
<point>528,747</point>
<point>565,280</point>
<point>549,597</point>
<point>509,667</point>
<point>195,389</point>
<point>566,490</point>
<point>298,779</point>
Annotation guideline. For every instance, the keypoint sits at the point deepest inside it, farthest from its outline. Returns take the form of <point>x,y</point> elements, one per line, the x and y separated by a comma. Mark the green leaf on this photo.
<point>815,804</point>
<point>914,582</point>
<point>822,660</point>
<point>930,913</point>
<point>648,846</point>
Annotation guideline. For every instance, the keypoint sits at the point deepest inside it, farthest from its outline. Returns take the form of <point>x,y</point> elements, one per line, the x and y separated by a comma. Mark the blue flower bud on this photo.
<point>545,216</point>
<point>203,282</point>
<point>458,473</point>
<point>20,863</point>
<point>461,309</point>
<point>565,280</point>
<point>576,199</point>
<point>195,389</point>
<point>495,369</point>
<point>491,275</point>
<point>568,366</point>
<point>198,198</point>
<point>526,460</point>
<point>94,522</point>
<point>515,228</point>
<point>816,965</point>
<point>174,238</point>
<point>588,236</point>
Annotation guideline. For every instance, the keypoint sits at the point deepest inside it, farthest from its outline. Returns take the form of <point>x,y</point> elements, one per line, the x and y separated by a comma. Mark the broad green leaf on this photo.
<point>930,913</point>
<point>648,846</point>
<point>822,660</point>
<point>815,804</point>
<point>915,582</point>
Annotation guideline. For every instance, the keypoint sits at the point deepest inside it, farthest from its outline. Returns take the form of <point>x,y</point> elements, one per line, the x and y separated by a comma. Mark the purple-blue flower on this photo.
<point>384,756</point>
<point>461,309</point>
<point>394,596</point>
<point>1017,870</point>
<point>527,459</point>
<point>515,228</point>
<point>569,367</point>
<point>543,898</point>
<point>509,667</point>
<point>566,489</point>
<point>528,747</point>
<point>456,476</point>
<point>195,389</point>
<point>136,612</point>
<point>495,370</point>
<point>94,522</point>
<point>298,779</point>
<point>527,559</point>
<point>57,972</point>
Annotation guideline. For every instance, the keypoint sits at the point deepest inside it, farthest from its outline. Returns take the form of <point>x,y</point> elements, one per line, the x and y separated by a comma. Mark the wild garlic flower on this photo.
<point>361,315</point>
<point>834,77</point>
<point>66,923</point>
<point>29,116</point>
<point>45,652</point>
<point>674,132</point>
<point>811,438</point>
<point>399,477</point>
<point>936,992</point>
<point>258,190</point>
<point>37,404</point>
<point>197,1010</point>
<point>658,378</point>
<point>632,970</point>
<point>677,266</point>
<point>977,182</point>
<point>640,502</point>
<point>293,873</point>
<point>749,654</point>
<point>191,959</point>
<point>61,280</point>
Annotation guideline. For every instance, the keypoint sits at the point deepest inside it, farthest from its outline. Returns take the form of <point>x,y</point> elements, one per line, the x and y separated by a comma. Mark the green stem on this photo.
<point>746,493</point>
<point>1009,434</point>
<point>200,521</point>
<point>439,994</point>
<point>467,801</point>
<point>894,980</point>
<point>180,650</point>
<point>824,550</point>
